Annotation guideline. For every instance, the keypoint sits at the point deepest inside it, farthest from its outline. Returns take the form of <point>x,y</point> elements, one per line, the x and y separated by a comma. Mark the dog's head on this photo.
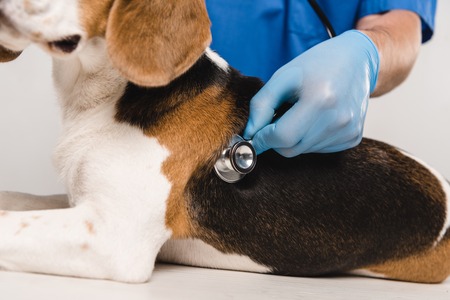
<point>150,42</point>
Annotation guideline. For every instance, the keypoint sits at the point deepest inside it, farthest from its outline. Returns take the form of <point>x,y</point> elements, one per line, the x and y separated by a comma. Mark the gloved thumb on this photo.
<point>261,113</point>
<point>262,140</point>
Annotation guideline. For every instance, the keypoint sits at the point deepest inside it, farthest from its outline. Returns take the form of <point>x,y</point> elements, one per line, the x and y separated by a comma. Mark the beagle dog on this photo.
<point>147,108</point>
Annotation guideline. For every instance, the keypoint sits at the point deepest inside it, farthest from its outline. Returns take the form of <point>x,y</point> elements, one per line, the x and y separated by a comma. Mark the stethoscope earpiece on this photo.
<point>236,161</point>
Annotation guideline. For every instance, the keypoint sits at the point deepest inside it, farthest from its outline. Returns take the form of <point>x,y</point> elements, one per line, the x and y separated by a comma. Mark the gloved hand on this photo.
<point>330,85</point>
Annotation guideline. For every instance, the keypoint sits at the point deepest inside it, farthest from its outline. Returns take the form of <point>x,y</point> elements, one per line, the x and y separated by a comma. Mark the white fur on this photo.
<point>366,273</point>
<point>445,187</point>
<point>197,253</point>
<point>217,59</point>
<point>116,188</point>
<point>115,184</point>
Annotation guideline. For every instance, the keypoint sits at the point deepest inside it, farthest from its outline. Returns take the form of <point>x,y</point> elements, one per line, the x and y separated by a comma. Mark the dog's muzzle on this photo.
<point>236,161</point>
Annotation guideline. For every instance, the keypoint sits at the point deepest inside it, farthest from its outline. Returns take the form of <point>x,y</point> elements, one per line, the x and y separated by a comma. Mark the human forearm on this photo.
<point>397,35</point>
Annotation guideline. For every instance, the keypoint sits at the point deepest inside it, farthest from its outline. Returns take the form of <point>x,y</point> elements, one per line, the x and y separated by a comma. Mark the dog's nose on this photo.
<point>67,44</point>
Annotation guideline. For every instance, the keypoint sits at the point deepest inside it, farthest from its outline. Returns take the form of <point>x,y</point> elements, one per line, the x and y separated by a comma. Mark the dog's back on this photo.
<point>325,213</point>
<point>372,207</point>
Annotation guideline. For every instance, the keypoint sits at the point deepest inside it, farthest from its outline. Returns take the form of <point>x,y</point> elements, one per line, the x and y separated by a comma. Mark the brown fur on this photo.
<point>176,132</point>
<point>90,227</point>
<point>29,7</point>
<point>23,226</point>
<point>94,14</point>
<point>431,266</point>
<point>7,55</point>
<point>152,42</point>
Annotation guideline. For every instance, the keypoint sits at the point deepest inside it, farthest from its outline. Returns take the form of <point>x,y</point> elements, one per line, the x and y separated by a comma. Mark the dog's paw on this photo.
<point>7,201</point>
<point>20,201</point>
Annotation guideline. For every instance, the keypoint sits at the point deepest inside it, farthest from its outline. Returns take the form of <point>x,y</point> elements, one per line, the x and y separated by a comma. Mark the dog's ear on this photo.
<point>7,55</point>
<point>154,41</point>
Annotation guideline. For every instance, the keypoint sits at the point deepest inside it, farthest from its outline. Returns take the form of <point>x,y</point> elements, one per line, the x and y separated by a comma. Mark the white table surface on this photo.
<point>180,282</point>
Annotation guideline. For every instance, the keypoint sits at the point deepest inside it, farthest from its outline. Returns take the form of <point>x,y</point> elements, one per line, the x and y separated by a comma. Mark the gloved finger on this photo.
<point>346,130</point>
<point>287,131</point>
<point>321,130</point>
<point>282,87</point>
<point>339,148</point>
<point>340,143</point>
<point>262,139</point>
<point>293,151</point>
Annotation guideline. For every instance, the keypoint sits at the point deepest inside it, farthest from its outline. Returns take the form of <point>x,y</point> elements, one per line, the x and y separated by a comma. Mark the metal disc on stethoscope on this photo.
<point>236,161</point>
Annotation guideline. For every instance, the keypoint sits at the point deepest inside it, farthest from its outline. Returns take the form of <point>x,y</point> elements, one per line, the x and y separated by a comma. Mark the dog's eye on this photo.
<point>66,45</point>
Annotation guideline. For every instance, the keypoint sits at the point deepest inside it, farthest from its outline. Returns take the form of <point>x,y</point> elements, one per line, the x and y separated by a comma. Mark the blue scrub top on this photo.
<point>259,36</point>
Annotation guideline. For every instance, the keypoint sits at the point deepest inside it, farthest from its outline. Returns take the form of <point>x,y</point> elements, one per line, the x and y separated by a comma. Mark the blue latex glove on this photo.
<point>330,85</point>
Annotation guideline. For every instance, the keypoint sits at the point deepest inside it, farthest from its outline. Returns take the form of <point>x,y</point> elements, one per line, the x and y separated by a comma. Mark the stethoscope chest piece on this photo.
<point>237,160</point>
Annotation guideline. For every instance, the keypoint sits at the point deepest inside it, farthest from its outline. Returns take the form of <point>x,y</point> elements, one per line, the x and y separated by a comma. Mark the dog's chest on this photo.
<point>100,156</point>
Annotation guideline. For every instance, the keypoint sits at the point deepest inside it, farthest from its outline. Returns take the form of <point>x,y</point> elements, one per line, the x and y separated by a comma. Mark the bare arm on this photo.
<point>397,35</point>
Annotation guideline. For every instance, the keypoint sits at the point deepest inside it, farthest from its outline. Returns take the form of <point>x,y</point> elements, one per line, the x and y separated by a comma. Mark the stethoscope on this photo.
<point>236,160</point>
<point>239,158</point>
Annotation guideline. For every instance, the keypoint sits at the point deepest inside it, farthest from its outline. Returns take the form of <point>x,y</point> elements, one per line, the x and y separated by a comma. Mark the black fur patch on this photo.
<point>143,107</point>
<point>321,213</point>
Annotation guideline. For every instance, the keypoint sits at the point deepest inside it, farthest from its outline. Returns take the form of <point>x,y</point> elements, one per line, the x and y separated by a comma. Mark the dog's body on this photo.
<point>138,166</point>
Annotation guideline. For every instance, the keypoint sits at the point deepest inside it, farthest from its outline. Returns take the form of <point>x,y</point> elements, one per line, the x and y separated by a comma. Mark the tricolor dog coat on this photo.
<point>147,108</point>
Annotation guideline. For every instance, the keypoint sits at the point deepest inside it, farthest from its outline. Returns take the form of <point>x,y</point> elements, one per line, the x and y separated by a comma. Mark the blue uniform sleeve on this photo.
<point>426,9</point>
